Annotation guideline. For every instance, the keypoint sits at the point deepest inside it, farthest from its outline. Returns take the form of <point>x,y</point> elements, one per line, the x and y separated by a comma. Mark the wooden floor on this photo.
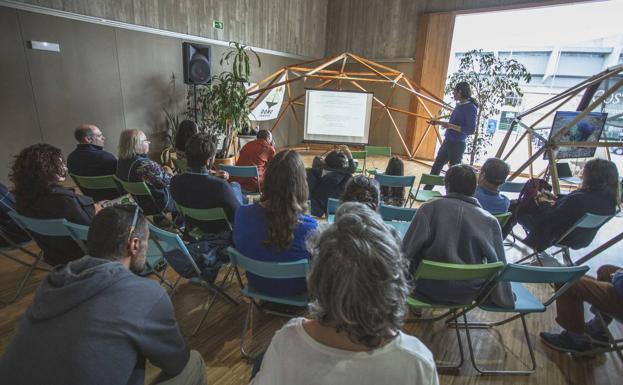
<point>219,338</point>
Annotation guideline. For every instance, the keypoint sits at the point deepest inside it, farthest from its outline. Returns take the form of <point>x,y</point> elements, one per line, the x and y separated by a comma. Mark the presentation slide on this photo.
<point>337,116</point>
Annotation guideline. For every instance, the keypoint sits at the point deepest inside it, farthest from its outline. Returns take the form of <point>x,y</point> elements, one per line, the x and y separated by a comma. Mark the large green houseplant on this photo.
<point>492,79</point>
<point>223,107</point>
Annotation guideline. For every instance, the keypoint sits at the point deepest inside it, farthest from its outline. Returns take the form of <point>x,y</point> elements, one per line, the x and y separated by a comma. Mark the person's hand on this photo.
<point>222,174</point>
<point>168,170</point>
<point>345,150</point>
<point>98,206</point>
<point>434,122</point>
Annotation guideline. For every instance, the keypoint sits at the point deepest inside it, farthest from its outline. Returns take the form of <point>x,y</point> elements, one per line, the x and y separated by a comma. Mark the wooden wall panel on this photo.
<point>292,26</point>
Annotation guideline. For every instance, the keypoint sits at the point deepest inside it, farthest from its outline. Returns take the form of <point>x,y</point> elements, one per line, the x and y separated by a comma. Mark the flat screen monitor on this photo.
<point>588,129</point>
<point>337,116</point>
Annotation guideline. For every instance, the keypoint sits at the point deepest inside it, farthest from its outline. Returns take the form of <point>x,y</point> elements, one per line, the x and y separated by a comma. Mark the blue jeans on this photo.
<point>238,193</point>
<point>451,151</point>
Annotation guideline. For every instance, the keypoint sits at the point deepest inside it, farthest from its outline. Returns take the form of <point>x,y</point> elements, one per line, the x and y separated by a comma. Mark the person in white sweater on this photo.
<point>359,288</point>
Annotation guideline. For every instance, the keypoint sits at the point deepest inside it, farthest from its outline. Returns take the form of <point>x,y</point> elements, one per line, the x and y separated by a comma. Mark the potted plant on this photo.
<point>223,107</point>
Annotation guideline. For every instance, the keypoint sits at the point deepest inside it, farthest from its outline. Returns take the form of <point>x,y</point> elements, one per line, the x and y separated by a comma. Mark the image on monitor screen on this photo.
<point>588,129</point>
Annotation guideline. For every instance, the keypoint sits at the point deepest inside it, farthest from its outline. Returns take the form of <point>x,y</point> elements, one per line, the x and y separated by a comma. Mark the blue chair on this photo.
<point>511,187</point>
<point>393,213</point>
<point>588,221</point>
<point>406,181</point>
<point>332,205</point>
<point>272,270</point>
<point>243,172</point>
<point>162,242</point>
<point>525,302</point>
<point>47,227</point>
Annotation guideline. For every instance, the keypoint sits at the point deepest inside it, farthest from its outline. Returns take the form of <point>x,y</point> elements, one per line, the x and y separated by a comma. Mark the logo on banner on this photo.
<point>268,109</point>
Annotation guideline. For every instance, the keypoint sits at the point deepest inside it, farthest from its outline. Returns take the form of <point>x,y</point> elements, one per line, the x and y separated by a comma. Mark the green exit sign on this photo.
<point>217,24</point>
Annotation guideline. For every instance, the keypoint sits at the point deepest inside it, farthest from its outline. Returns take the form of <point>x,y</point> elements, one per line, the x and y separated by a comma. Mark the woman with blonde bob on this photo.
<point>134,165</point>
<point>358,289</point>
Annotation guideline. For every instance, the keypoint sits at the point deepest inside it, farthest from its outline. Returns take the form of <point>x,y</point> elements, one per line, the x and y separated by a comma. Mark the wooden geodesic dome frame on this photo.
<point>550,146</point>
<point>331,73</point>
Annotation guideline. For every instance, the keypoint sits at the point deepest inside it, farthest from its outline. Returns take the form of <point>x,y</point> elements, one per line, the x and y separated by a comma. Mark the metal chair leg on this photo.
<point>247,319</point>
<point>24,279</point>
<point>454,367</point>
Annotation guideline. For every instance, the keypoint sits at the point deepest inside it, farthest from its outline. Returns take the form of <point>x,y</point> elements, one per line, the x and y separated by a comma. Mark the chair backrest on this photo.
<point>206,215</point>
<point>359,154</point>
<point>240,171</point>
<point>393,213</point>
<point>592,221</point>
<point>134,188</point>
<point>513,187</point>
<point>274,270</point>
<point>49,227</point>
<point>503,218</point>
<point>434,180</point>
<point>441,271</point>
<point>180,164</point>
<point>103,182</point>
<point>378,150</point>
<point>332,205</point>
<point>162,241</point>
<point>537,274</point>
<point>395,180</point>
<point>78,232</point>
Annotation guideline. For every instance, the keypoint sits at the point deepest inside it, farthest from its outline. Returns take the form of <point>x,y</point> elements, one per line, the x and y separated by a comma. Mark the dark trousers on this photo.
<point>451,151</point>
<point>598,292</point>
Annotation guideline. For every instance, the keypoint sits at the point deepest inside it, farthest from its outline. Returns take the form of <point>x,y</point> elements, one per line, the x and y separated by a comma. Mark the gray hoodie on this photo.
<point>93,321</point>
<point>455,229</point>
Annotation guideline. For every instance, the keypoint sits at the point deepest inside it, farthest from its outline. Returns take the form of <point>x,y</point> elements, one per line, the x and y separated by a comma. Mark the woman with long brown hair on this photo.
<point>276,229</point>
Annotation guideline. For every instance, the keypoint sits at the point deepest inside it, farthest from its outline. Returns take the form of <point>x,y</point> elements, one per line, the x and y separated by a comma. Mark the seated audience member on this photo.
<point>455,229</point>
<point>363,190</point>
<point>491,176</point>
<point>37,174</point>
<point>598,194</point>
<point>90,159</point>
<point>185,131</point>
<point>135,166</point>
<point>256,153</point>
<point>198,189</point>
<point>9,228</point>
<point>604,294</point>
<point>94,321</point>
<point>359,288</point>
<point>394,196</point>
<point>276,229</point>
<point>328,178</point>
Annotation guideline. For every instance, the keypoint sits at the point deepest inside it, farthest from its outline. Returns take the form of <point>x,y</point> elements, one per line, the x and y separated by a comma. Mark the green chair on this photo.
<point>97,186</point>
<point>203,215</point>
<point>139,189</point>
<point>426,195</point>
<point>405,181</point>
<point>503,218</point>
<point>440,271</point>
<point>525,303</point>
<point>360,155</point>
<point>378,151</point>
<point>271,270</point>
<point>180,165</point>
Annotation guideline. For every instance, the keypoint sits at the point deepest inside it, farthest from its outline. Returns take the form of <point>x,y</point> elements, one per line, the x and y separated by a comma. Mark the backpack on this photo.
<point>533,194</point>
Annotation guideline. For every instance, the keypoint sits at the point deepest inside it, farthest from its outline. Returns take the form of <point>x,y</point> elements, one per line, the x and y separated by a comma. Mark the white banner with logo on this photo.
<point>268,109</point>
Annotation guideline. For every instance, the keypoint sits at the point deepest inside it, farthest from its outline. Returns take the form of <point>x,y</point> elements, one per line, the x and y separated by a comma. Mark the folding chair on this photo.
<point>393,213</point>
<point>525,303</point>
<point>244,172</point>
<point>396,181</point>
<point>511,187</point>
<point>360,155</point>
<point>162,242</point>
<point>271,270</point>
<point>503,218</point>
<point>80,234</point>
<point>588,221</point>
<point>97,187</point>
<point>332,205</point>
<point>378,151</point>
<point>440,271</point>
<point>203,215</point>
<point>140,189</point>
<point>426,195</point>
<point>613,344</point>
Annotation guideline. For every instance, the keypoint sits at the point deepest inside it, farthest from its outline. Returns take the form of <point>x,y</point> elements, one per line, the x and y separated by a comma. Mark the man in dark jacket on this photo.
<point>93,321</point>
<point>90,159</point>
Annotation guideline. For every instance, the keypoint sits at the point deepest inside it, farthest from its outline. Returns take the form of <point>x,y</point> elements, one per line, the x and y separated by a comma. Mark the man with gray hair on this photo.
<point>94,321</point>
<point>491,176</point>
<point>358,284</point>
<point>90,159</point>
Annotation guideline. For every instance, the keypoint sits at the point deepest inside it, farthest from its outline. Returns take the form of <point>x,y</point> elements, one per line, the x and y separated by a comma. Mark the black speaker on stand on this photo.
<point>196,59</point>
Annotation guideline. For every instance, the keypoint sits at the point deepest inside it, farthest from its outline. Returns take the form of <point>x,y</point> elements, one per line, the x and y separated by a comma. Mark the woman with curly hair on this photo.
<point>37,174</point>
<point>276,229</point>
<point>358,286</point>
<point>364,190</point>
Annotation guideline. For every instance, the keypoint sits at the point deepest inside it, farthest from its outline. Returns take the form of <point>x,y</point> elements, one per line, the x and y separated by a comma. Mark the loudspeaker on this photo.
<point>196,60</point>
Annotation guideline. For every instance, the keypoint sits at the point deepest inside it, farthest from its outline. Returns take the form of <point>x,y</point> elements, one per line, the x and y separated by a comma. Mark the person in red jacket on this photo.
<point>255,153</point>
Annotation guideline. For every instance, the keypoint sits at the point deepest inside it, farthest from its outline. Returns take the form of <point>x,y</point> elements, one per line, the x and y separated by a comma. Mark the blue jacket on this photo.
<point>94,322</point>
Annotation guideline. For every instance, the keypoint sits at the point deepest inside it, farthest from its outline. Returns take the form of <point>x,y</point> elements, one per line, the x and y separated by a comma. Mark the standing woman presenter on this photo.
<point>461,124</point>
